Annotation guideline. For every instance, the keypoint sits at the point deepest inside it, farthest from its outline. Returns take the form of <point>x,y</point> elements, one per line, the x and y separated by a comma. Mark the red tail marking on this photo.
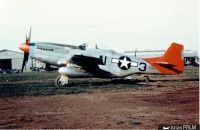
<point>171,62</point>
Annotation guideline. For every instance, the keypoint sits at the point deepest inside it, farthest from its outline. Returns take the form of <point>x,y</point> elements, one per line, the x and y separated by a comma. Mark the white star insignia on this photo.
<point>124,63</point>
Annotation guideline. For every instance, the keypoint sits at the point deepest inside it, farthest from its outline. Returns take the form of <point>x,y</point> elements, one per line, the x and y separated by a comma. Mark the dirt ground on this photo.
<point>168,102</point>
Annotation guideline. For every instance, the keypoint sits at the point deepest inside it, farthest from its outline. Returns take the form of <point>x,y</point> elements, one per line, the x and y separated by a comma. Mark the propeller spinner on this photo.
<point>25,48</point>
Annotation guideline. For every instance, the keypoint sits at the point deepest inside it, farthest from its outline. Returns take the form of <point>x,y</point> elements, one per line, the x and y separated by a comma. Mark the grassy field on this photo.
<point>192,72</point>
<point>31,84</point>
<point>38,84</point>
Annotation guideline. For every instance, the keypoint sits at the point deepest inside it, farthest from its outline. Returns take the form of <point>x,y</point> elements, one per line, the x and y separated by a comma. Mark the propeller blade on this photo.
<point>26,39</point>
<point>26,54</point>
<point>29,37</point>
<point>25,60</point>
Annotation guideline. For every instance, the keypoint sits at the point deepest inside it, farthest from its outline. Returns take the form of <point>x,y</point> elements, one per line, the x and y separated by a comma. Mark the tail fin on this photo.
<point>171,62</point>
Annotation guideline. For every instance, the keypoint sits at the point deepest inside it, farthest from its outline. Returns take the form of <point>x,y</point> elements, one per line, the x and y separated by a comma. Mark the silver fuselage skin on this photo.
<point>100,62</point>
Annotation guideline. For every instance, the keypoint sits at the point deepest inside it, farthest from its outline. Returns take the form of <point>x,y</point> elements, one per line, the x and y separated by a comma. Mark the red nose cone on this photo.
<point>24,47</point>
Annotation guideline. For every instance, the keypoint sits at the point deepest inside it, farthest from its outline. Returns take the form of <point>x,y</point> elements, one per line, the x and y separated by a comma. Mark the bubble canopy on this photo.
<point>91,45</point>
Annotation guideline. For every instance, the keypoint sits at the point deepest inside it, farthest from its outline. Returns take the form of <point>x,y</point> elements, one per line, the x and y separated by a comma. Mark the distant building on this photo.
<point>190,57</point>
<point>13,60</point>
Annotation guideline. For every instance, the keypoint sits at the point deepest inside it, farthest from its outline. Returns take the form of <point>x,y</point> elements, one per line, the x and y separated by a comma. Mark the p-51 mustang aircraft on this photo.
<point>81,61</point>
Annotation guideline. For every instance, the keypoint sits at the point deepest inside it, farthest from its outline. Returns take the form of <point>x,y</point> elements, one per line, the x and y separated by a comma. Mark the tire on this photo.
<point>59,83</point>
<point>147,80</point>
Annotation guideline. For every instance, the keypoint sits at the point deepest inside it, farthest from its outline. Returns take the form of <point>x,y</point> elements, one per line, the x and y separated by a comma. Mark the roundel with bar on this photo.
<point>124,62</point>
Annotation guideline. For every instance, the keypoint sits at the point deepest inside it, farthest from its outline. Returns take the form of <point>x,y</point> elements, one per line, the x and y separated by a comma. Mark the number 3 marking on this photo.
<point>142,66</point>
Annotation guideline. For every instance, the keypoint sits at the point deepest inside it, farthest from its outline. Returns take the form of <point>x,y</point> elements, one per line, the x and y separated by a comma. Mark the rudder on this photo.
<point>173,55</point>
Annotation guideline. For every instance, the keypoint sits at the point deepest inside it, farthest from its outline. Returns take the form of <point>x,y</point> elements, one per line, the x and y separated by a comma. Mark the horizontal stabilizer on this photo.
<point>165,64</point>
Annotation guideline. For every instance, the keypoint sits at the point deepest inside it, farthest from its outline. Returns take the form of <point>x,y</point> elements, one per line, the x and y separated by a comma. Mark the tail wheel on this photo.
<point>146,78</point>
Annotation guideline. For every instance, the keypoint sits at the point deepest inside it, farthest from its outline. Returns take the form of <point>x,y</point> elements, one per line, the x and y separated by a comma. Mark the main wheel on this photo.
<point>59,83</point>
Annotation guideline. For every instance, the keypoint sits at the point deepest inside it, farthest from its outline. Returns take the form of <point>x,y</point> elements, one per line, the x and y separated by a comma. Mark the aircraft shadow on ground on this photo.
<point>75,87</point>
<point>99,83</point>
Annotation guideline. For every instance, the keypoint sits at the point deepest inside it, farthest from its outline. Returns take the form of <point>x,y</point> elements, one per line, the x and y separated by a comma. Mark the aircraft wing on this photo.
<point>82,60</point>
<point>88,63</point>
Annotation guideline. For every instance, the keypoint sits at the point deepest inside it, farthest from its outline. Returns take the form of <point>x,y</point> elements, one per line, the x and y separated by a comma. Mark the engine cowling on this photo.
<point>73,72</point>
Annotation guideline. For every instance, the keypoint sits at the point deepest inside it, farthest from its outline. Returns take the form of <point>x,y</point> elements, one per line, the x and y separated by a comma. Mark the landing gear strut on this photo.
<point>61,81</point>
<point>146,78</point>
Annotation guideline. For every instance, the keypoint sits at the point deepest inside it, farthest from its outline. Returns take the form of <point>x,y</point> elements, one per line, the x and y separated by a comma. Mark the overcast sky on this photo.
<point>118,24</point>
